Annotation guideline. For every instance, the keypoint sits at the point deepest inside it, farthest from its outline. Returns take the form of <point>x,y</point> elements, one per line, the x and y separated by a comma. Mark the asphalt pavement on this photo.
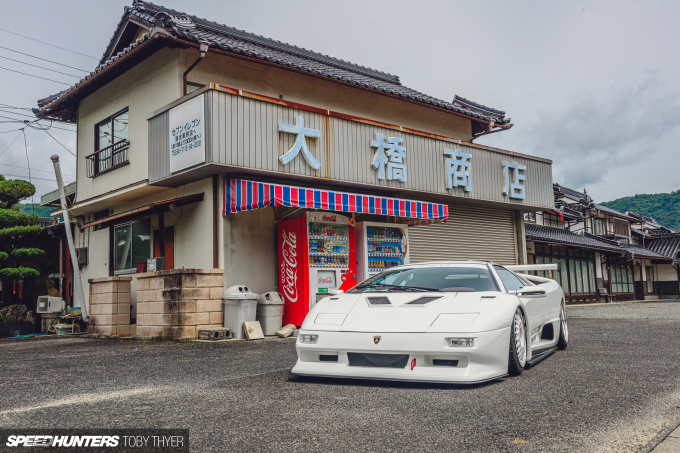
<point>615,388</point>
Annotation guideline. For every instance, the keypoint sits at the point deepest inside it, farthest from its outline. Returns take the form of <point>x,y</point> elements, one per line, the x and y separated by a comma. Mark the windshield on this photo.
<point>430,278</point>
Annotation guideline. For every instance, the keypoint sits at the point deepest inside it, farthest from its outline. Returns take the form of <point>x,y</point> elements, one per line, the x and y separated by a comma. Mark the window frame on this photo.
<point>114,248</point>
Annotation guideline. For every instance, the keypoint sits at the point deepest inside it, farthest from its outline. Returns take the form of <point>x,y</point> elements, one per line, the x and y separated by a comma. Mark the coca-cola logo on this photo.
<point>289,265</point>
<point>325,279</point>
<point>330,218</point>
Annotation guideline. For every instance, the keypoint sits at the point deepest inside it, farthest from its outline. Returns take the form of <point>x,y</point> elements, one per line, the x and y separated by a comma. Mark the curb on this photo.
<point>660,438</point>
<point>620,303</point>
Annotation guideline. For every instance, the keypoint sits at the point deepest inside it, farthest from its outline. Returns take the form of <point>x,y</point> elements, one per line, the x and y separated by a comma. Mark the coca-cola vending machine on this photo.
<point>316,255</point>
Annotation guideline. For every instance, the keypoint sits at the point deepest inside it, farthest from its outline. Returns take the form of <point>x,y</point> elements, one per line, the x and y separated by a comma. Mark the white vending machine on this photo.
<point>380,246</point>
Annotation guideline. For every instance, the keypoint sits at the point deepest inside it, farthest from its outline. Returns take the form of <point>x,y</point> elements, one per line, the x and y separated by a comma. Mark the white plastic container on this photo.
<point>240,305</point>
<point>270,312</point>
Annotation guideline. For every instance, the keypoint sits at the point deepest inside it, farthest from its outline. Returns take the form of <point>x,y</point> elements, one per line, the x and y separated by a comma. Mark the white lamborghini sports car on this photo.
<point>455,322</point>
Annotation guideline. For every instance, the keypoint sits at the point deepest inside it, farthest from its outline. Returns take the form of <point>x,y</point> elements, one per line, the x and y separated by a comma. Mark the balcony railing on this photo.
<point>108,159</point>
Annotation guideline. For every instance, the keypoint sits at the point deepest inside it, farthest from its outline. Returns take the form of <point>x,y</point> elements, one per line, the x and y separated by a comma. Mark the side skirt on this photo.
<point>538,356</point>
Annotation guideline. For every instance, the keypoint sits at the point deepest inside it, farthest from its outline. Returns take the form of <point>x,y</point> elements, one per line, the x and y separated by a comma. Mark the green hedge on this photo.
<point>18,273</point>
<point>19,232</point>
<point>27,253</point>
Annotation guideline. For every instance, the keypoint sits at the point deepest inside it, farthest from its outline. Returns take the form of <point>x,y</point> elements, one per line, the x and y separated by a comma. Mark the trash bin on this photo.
<point>240,306</point>
<point>270,312</point>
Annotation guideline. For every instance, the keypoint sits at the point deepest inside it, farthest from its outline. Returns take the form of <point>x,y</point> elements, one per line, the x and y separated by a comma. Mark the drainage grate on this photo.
<point>423,300</point>
<point>379,301</point>
<point>377,360</point>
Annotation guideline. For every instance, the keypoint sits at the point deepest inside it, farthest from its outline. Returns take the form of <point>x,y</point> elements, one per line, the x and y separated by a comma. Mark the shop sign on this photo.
<point>458,169</point>
<point>389,158</point>
<point>187,135</point>
<point>300,142</point>
<point>289,266</point>
<point>514,187</point>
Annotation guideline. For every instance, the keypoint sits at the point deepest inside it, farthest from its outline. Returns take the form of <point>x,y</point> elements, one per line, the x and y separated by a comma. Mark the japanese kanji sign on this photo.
<point>458,166</point>
<point>514,180</point>
<point>300,143</point>
<point>389,158</point>
<point>187,135</point>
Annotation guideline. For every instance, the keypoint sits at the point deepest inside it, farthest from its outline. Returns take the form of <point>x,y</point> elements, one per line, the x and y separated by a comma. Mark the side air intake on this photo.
<point>423,300</point>
<point>379,301</point>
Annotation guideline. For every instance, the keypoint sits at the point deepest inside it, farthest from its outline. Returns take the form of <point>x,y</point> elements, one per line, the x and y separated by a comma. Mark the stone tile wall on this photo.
<point>176,303</point>
<point>109,306</point>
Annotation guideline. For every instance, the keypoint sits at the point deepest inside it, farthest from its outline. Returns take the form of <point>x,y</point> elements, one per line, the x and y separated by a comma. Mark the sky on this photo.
<point>592,85</point>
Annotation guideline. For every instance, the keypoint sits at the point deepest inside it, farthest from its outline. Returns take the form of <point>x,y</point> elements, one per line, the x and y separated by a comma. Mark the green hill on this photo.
<point>664,207</point>
<point>35,209</point>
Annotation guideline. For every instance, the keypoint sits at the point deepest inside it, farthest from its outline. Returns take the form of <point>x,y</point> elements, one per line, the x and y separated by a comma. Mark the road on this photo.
<point>614,389</point>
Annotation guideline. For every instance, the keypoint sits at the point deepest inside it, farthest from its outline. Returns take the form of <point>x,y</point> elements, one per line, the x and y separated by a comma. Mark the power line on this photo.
<point>45,130</point>
<point>10,145</point>
<point>44,59</point>
<point>23,132</point>
<point>41,179</point>
<point>48,44</point>
<point>43,171</point>
<point>41,67</point>
<point>37,77</point>
<point>7,106</point>
<point>17,113</point>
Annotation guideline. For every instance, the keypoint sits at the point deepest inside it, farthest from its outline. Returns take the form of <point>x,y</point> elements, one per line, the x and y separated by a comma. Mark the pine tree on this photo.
<point>19,262</point>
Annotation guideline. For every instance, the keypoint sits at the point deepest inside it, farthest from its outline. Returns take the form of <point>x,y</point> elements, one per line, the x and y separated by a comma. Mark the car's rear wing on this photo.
<point>533,267</point>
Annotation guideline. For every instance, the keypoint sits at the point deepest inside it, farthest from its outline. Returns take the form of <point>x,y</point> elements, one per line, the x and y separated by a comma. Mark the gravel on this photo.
<point>613,389</point>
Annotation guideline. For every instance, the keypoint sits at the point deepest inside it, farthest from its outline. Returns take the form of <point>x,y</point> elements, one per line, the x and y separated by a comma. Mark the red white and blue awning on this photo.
<point>243,195</point>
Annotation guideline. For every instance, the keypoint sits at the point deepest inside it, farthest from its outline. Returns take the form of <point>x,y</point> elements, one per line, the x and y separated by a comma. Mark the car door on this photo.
<point>535,306</point>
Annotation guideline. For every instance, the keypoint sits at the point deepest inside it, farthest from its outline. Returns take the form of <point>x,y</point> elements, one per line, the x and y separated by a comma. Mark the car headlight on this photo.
<point>461,342</point>
<point>308,338</point>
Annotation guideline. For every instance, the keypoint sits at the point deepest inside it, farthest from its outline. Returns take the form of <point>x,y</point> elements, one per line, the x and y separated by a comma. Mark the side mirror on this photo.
<point>336,291</point>
<point>531,292</point>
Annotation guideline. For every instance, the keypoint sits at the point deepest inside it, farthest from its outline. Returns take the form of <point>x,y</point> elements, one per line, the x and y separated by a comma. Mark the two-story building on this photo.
<point>195,139</point>
<point>601,251</point>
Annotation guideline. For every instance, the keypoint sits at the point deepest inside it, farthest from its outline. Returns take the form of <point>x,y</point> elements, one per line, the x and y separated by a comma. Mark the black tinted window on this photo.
<point>510,281</point>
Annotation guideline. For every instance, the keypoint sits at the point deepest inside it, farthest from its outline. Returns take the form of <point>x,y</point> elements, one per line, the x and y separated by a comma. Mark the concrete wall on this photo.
<point>316,92</point>
<point>666,272</point>
<point>250,254</point>
<point>110,306</point>
<point>147,86</point>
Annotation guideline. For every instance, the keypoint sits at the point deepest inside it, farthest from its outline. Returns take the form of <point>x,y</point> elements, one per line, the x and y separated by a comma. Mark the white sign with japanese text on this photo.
<point>187,135</point>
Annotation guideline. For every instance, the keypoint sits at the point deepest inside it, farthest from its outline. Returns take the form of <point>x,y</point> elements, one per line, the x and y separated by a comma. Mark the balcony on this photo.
<point>108,159</point>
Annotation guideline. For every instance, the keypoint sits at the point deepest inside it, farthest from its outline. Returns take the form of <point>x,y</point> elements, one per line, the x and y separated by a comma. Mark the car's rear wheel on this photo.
<point>564,330</point>
<point>518,345</point>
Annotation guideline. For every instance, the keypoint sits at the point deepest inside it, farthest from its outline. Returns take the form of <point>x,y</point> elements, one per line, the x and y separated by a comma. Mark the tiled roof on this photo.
<point>566,237</point>
<point>641,252</point>
<point>190,28</point>
<point>602,208</point>
<point>569,193</point>
<point>667,244</point>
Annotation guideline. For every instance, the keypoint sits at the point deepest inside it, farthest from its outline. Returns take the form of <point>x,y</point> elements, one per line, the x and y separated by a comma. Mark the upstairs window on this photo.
<point>111,144</point>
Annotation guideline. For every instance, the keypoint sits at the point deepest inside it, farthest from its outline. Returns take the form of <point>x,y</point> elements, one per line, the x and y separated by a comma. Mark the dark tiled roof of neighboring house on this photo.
<point>607,210</point>
<point>561,236</point>
<point>569,193</point>
<point>179,25</point>
<point>666,244</point>
<point>641,252</point>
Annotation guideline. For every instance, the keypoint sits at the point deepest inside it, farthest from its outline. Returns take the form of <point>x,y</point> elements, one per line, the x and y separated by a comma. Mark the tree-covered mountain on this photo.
<point>664,207</point>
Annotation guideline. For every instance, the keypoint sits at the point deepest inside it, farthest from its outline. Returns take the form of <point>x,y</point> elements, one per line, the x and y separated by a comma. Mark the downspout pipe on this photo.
<point>203,49</point>
<point>69,238</point>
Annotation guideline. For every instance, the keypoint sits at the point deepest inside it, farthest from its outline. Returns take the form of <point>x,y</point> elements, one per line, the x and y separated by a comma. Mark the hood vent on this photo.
<point>378,301</point>
<point>423,300</point>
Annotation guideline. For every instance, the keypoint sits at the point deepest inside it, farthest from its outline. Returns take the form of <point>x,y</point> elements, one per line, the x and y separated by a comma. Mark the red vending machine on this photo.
<point>316,255</point>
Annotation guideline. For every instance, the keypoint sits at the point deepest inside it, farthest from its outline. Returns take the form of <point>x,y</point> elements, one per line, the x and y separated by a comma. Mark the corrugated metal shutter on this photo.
<point>472,232</point>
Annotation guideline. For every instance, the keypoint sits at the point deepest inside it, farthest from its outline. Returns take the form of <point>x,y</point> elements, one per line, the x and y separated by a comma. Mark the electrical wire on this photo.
<point>37,77</point>
<point>17,113</point>
<point>7,106</point>
<point>29,169</point>
<point>10,145</point>
<point>43,171</point>
<point>41,179</point>
<point>41,67</point>
<point>45,130</point>
<point>44,59</point>
<point>48,44</point>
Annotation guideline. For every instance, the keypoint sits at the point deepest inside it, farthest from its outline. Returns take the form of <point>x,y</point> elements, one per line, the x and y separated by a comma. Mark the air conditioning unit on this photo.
<point>81,254</point>
<point>50,304</point>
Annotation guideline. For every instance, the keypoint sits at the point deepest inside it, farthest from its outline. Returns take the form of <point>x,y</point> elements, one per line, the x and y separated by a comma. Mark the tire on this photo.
<point>517,357</point>
<point>563,340</point>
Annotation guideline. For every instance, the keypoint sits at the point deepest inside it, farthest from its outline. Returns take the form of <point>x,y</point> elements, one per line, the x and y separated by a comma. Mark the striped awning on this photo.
<point>243,195</point>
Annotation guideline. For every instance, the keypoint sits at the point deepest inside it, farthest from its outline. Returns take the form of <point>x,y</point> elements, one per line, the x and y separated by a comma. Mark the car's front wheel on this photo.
<point>518,345</point>
<point>564,330</point>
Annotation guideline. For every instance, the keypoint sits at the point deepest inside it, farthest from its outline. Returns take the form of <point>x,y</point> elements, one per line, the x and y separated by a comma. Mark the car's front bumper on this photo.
<point>487,359</point>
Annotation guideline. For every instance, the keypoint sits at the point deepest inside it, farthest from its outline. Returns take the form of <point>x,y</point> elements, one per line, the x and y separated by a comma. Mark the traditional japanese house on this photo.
<point>611,242</point>
<point>196,139</point>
